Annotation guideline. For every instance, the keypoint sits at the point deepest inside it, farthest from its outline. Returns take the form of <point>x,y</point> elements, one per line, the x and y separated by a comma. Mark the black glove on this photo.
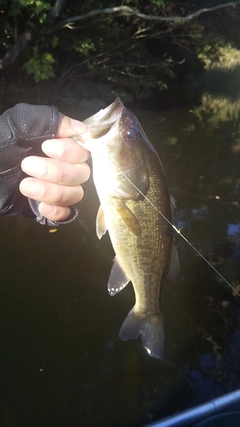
<point>23,128</point>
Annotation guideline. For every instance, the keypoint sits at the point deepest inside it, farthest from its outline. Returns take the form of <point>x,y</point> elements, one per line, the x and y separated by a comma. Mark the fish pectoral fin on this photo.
<point>101,226</point>
<point>117,279</point>
<point>128,217</point>
<point>174,267</point>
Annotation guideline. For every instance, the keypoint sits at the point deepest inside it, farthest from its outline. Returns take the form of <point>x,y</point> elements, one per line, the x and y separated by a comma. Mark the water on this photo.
<point>61,361</point>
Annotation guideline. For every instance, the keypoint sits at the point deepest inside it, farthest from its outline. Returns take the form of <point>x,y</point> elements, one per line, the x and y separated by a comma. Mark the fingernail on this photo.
<point>34,166</point>
<point>77,126</point>
<point>46,209</point>
<point>30,187</point>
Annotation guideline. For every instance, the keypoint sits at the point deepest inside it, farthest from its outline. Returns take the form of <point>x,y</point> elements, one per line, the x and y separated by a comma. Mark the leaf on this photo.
<point>40,67</point>
<point>159,3</point>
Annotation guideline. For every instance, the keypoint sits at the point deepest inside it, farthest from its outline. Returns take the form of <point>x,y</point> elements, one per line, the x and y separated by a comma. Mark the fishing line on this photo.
<point>78,140</point>
<point>177,230</point>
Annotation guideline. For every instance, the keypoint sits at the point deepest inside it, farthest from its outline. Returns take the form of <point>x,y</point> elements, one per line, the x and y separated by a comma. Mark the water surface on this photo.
<point>62,363</point>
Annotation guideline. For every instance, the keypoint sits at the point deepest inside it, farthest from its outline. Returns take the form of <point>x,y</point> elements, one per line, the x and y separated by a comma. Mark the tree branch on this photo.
<point>28,36</point>
<point>128,11</point>
<point>20,47</point>
<point>57,9</point>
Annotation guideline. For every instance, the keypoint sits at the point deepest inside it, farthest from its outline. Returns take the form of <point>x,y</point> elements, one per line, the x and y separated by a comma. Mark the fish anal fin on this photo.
<point>117,279</point>
<point>101,226</point>
<point>151,329</point>
<point>128,217</point>
<point>174,267</point>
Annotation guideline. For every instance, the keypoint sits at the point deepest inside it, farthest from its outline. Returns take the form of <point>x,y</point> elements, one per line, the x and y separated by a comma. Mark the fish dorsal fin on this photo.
<point>173,203</point>
<point>101,226</point>
<point>117,279</point>
<point>128,217</point>
<point>174,267</point>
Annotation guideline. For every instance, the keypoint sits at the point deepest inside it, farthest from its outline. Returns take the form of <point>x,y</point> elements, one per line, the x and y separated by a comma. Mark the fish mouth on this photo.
<point>100,123</point>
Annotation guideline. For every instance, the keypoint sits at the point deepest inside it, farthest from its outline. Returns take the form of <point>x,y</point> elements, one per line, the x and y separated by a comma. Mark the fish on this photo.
<point>137,211</point>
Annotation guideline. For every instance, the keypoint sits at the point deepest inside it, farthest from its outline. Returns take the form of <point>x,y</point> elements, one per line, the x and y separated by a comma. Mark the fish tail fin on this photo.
<point>151,329</point>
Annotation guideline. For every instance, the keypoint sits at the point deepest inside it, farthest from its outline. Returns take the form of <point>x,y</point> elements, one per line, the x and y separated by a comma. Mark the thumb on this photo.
<point>68,127</point>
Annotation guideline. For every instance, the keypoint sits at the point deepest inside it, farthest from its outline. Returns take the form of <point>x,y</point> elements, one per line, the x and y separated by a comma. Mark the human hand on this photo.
<point>56,181</point>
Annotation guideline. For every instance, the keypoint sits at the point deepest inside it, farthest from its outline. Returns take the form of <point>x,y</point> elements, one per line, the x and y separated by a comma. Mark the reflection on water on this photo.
<point>62,363</point>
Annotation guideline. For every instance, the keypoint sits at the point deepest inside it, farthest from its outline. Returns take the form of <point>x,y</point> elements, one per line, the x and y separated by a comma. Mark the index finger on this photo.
<point>65,149</point>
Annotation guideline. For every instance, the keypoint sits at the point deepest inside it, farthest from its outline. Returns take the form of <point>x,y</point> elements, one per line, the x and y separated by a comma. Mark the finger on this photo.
<point>56,171</point>
<point>55,213</point>
<point>52,194</point>
<point>65,149</point>
<point>68,127</point>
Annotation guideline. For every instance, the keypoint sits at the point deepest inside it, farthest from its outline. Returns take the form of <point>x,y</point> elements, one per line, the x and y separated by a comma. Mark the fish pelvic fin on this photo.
<point>149,327</point>
<point>117,279</point>
<point>101,226</point>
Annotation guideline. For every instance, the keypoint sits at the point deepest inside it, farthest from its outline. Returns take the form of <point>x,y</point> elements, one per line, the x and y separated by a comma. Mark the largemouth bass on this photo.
<point>128,173</point>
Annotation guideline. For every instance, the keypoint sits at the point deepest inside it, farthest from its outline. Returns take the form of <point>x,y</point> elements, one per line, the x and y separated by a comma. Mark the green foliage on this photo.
<point>84,46</point>
<point>159,3</point>
<point>221,55</point>
<point>54,41</point>
<point>38,8</point>
<point>40,66</point>
<point>128,54</point>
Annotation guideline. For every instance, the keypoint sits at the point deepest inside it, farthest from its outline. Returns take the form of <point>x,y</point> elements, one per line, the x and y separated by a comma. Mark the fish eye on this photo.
<point>130,134</point>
